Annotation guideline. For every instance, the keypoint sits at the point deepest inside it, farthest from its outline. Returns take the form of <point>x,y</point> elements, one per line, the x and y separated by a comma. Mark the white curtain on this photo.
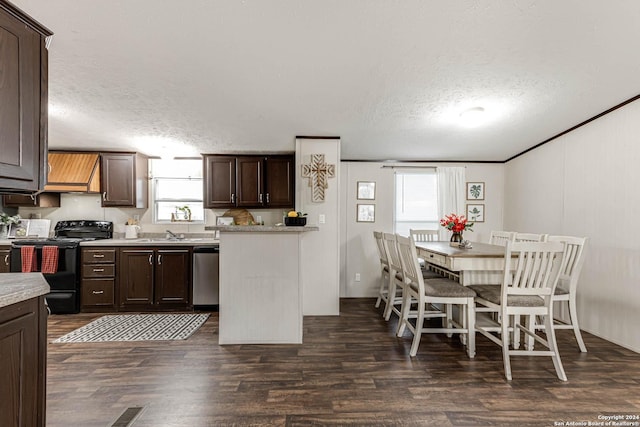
<point>451,194</point>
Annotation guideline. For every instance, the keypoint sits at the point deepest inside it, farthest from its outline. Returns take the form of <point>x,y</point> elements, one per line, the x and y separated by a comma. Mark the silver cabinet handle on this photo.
<point>268,201</point>
<point>151,259</point>
<point>98,270</point>
<point>6,259</point>
<point>98,255</point>
<point>97,292</point>
<point>159,259</point>
<point>233,197</point>
<point>104,195</point>
<point>260,198</point>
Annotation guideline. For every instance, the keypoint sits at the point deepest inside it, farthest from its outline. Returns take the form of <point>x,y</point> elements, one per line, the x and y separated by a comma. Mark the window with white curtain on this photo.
<point>176,183</point>
<point>416,201</point>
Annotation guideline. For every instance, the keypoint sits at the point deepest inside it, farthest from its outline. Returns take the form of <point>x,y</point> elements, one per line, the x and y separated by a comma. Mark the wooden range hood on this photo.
<point>73,172</point>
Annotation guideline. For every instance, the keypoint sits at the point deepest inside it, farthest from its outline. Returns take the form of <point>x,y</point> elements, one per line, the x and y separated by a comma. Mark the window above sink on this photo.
<point>176,184</point>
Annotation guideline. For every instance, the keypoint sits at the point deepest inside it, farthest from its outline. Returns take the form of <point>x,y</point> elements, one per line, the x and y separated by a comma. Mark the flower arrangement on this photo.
<point>456,223</point>
<point>8,219</point>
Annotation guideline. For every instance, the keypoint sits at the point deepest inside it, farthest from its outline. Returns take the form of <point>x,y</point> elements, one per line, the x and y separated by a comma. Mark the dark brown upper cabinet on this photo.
<point>279,181</point>
<point>23,91</point>
<point>249,181</point>
<point>124,180</point>
<point>42,200</point>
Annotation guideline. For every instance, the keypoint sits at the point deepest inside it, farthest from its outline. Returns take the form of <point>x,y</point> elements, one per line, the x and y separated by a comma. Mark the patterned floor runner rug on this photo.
<point>137,327</point>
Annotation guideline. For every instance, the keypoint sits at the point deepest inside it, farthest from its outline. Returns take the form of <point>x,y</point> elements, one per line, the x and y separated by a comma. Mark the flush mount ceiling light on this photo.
<point>472,116</point>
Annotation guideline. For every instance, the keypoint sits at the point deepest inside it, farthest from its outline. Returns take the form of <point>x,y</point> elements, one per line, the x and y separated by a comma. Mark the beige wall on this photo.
<point>87,206</point>
<point>320,256</point>
<point>583,184</point>
<point>357,248</point>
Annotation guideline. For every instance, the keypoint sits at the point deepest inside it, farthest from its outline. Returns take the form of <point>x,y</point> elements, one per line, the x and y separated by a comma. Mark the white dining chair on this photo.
<point>426,236</point>
<point>530,237</point>
<point>423,235</point>
<point>396,279</point>
<point>501,237</point>
<point>426,293</point>
<point>567,287</point>
<point>383,291</point>
<point>527,290</point>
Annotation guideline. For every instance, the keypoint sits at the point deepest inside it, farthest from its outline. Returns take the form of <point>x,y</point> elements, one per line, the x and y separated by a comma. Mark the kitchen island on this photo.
<point>23,348</point>
<point>261,284</point>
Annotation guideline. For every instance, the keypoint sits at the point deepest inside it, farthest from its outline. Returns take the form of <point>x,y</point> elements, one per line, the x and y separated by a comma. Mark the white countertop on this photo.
<point>153,241</point>
<point>143,241</point>
<point>18,287</point>
<point>261,228</point>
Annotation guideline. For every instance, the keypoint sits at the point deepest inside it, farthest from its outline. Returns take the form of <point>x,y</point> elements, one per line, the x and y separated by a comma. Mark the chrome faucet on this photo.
<point>174,235</point>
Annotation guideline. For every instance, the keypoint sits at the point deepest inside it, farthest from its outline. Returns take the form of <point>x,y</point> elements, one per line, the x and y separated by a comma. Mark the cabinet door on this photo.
<point>173,272</point>
<point>249,181</point>
<point>219,181</point>
<point>19,353</point>
<point>22,89</point>
<point>5,259</point>
<point>136,275</point>
<point>279,182</point>
<point>118,180</point>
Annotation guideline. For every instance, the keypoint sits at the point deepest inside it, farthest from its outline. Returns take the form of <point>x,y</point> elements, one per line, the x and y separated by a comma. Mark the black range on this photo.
<point>64,297</point>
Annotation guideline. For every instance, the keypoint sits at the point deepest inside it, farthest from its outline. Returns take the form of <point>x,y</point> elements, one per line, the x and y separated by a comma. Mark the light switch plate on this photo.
<point>321,219</point>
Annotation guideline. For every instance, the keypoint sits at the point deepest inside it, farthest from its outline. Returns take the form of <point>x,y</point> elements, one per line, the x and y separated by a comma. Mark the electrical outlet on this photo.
<point>321,219</point>
<point>357,277</point>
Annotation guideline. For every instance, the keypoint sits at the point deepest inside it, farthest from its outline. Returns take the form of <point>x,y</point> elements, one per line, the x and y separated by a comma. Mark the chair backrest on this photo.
<point>574,251</point>
<point>501,237</point>
<point>409,261</point>
<point>393,257</point>
<point>536,270</point>
<point>382,252</point>
<point>530,237</point>
<point>424,235</point>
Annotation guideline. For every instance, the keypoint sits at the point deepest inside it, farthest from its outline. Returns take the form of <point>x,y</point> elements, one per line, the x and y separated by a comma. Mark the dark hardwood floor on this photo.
<point>351,370</point>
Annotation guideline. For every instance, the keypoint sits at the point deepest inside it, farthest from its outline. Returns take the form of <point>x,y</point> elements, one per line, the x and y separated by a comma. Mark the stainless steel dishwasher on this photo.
<point>205,276</point>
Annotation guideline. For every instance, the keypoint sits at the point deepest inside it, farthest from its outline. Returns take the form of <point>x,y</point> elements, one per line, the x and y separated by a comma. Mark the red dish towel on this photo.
<point>49,259</point>
<point>28,255</point>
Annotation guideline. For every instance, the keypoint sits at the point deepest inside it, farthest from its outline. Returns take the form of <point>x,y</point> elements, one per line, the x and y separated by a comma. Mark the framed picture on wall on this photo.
<point>475,190</point>
<point>366,213</point>
<point>475,213</point>
<point>366,190</point>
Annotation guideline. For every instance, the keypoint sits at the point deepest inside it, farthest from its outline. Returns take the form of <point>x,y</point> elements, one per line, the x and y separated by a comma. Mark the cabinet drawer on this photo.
<point>98,270</point>
<point>90,256</point>
<point>436,259</point>
<point>97,292</point>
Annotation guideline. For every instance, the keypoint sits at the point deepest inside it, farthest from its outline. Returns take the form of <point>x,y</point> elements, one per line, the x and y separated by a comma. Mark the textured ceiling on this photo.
<point>389,77</point>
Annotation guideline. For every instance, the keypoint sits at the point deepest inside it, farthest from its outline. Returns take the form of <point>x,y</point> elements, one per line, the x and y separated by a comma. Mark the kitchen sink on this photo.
<point>164,239</point>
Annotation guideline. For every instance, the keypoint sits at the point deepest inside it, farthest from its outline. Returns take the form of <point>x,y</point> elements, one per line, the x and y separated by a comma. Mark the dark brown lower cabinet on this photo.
<point>98,279</point>
<point>154,278</point>
<point>23,352</point>
<point>5,259</point>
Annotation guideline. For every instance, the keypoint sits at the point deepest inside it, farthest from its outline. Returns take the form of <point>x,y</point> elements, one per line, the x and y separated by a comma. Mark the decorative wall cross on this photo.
<point>318,172</point>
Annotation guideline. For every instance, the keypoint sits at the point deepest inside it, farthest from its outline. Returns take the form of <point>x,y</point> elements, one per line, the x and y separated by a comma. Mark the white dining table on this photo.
<point>483,263</point>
